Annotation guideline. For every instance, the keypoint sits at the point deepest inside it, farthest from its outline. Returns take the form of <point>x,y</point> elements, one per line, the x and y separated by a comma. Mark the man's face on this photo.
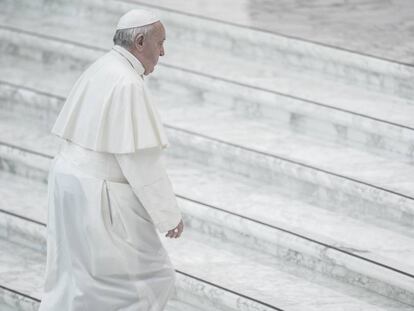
<point>152,48</point>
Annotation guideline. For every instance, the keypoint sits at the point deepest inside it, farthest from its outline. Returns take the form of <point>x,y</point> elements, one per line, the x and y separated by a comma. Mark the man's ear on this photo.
<point>139,42</point>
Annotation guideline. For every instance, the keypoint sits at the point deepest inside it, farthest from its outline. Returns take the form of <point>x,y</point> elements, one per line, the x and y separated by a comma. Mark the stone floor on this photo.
<point>381,28</point>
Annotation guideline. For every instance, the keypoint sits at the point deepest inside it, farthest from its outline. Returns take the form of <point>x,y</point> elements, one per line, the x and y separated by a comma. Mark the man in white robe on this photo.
<point>108,189</point>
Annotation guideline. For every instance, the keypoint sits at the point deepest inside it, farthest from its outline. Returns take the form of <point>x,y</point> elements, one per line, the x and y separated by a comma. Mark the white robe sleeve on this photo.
<point>146,173</point>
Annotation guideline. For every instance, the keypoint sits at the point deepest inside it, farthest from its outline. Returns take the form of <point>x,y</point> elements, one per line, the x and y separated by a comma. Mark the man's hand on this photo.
<point>176,232</point>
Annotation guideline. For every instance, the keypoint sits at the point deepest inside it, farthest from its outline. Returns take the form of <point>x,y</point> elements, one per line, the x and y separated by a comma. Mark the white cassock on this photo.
<point>108,194</point>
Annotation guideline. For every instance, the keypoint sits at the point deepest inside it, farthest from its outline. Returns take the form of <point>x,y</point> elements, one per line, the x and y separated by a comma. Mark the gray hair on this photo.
<point>125,37</point>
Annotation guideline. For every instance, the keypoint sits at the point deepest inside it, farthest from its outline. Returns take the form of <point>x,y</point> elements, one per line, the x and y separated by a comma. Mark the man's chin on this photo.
<point>147,72</point>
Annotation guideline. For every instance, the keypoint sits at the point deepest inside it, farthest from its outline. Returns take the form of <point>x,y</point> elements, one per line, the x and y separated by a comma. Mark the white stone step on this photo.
<point>4,307</point>
<point>22,279</point>
<point>220,269</point>
<point>352,68</point>
<point>364,119</point>
<point>339,176</point>
<point>266,219</point>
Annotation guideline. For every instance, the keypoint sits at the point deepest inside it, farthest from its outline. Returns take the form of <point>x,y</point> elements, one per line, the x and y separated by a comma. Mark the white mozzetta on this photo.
<point>110,102</point>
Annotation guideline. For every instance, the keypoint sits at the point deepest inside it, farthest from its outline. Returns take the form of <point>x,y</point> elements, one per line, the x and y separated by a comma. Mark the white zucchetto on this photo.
<point>137,18</point>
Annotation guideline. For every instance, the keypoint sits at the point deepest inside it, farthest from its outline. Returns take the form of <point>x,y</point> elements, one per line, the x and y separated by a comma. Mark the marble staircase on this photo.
<point>295,177</point>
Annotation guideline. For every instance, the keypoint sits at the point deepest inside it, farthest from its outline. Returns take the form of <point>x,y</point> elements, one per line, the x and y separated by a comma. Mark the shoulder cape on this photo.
<point>122,119</point>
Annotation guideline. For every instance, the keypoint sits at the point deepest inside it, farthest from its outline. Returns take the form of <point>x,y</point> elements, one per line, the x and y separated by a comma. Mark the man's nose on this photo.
<point>162,53</point>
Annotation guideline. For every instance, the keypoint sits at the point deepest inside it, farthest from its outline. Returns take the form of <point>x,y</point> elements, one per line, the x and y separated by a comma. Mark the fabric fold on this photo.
<point>146,173</point>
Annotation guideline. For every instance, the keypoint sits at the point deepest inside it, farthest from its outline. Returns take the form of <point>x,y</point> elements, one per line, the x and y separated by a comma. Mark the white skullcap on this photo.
<point>136,18</point>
